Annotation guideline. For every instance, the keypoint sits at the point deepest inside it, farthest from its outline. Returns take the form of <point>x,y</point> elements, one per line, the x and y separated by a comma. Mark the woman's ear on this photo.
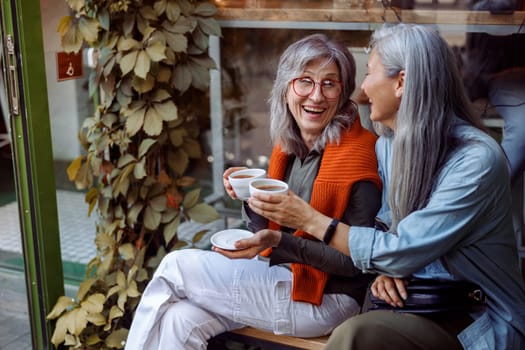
<point>400,84</point>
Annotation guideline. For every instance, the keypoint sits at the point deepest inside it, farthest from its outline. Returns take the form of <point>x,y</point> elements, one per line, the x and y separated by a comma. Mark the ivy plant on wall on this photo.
<point>140,142</point>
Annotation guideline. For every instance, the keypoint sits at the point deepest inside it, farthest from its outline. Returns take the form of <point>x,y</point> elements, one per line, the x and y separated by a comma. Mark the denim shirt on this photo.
<point>465,232</point>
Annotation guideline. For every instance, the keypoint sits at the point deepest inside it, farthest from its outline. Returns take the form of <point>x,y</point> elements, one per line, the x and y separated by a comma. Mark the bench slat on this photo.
<point>246,333</point>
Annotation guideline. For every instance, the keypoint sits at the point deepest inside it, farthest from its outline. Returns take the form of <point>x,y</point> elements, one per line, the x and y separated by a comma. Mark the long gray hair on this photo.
<point>433,95</point>
<point>283,128</point>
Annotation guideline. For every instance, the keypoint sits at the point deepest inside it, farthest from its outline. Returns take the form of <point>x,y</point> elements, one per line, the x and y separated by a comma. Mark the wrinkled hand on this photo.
<point>390,289</point>
<point>252,246</point>
<point>287,210</point>
<point>227,186</point>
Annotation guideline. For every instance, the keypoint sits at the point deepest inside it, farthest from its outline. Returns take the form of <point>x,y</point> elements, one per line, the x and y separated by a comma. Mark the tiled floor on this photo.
<point>77,234</point>
<point>77,230</point>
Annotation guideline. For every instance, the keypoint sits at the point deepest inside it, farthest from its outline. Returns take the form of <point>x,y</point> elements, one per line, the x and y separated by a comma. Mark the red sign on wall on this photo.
<point>69,65</point>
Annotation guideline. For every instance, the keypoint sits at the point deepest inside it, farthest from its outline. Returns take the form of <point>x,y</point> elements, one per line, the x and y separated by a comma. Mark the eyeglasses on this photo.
<point>330,89</point>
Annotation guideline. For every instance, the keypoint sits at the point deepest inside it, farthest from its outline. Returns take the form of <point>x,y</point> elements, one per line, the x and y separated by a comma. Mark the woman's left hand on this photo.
<point>288,210</point>
<point>249,248</point>
<point>390,289</point>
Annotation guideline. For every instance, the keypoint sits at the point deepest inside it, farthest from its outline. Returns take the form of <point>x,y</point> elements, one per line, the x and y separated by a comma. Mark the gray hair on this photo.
<point>283,128</point>
<point>433,95</point>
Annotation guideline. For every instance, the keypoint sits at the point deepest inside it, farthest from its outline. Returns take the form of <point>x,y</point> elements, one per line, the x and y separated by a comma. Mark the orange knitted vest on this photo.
<point>342,165</point>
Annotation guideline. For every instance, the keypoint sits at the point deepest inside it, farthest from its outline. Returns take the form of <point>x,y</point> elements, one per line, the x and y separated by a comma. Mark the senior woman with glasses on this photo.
<point>446,199</point>
<point>301,287</point>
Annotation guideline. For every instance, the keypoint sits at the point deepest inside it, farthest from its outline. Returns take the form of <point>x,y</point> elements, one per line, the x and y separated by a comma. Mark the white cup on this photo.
<point>240,180</point>
<point>268,186</point>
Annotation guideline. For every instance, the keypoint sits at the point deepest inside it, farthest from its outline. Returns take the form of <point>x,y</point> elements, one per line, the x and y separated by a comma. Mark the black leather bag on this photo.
<point>432,297</point>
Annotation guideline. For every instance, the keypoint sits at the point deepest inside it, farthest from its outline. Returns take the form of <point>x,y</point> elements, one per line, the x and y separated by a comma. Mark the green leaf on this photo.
<point>177,42</point>
<point>94,303</point>
<point>152,122</point>
<point>170,230</point>
<point>145,146</point>
<point>200,76</point>
<point>200,39</point>
<point>159,203</point>
<point>191,198</point>
<point>127,63</point>
<point>204,60</point>
<point>192,148</point>
<point>209,26</point>
<point>76,5</point>
<point>205,9</point>
<point>128,25</point>
<point>127,251</point>
<point>62,304</point>
<point>103,18</point>
<point>178,161</point>
<point>143,85</point>
<point>151,218</point>
<point>135,121</point>
<point>156,52</point>
<point>117,338</point>
<point>159,7</point>
<point>125,44</point>
<point>134,213</point>
<point>143,64</point>
<point>72,40</point>
<point>88,27</point>
<point>182,26</point>
<point>203,213</point>
<point>125,160</point>
<point>181,77</point>
<point>139,172</point>
<point>172,11</point>
<point>167,110</point>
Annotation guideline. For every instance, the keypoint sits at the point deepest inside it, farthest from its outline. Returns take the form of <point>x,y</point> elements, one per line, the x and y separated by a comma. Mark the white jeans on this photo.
<point>197,294</point>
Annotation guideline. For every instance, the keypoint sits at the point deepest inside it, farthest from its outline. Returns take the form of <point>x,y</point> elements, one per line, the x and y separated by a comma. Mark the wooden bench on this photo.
<point>270,341</point>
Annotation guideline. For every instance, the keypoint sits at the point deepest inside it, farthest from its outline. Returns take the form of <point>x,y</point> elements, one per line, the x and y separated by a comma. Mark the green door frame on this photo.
<point>33,162</point>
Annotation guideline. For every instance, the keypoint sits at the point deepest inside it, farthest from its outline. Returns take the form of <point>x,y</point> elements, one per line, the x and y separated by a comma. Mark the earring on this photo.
<point>398,94</point>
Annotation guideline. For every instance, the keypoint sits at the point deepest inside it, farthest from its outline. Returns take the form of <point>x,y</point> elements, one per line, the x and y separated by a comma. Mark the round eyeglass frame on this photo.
<point>313,88</point>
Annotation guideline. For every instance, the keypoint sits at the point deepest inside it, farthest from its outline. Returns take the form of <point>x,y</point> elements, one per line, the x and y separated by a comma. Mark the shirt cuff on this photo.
<point>361,243</point>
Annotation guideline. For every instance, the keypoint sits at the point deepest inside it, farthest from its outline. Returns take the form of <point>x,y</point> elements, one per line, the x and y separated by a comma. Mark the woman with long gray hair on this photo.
<point>285,282</point>
<point>446,200</point>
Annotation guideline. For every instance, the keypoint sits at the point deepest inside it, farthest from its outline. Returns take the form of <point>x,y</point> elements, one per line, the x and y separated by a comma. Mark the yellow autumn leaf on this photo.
<point>76,321</point>
<point>117,339</point>
<point>62,304</point>
<point>143,85</point>
<point>72,169</point>
<point>94,303</point>
<point>63,25</point>
<point>127,251</point>
<point>97,319</point>
<point>59,334</point>
<point>84,287</point>
<point>172,11</point>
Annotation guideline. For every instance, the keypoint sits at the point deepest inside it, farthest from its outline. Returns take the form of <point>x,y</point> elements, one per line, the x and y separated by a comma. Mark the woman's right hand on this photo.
<point>227,186</point>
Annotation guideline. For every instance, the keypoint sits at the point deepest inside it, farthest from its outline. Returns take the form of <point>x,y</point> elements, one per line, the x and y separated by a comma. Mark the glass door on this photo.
<point>32,270</point>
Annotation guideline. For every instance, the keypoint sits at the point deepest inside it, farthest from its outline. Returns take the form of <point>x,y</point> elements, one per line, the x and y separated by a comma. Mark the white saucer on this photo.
<point>226,239</point>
